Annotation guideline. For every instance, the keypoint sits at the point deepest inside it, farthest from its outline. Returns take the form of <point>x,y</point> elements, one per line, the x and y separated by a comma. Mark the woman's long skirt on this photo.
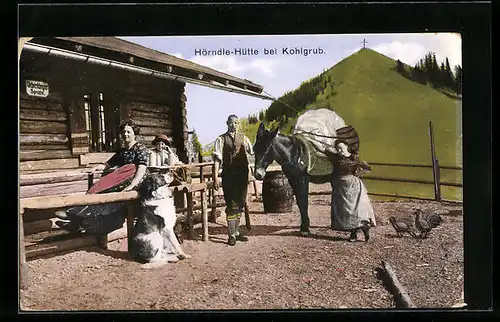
<point>351,206</point>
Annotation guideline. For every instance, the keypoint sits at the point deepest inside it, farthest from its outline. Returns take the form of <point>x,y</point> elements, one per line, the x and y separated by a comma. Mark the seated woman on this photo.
<point>351,207</point>
<point>163,155</point>
<point>104,218</point>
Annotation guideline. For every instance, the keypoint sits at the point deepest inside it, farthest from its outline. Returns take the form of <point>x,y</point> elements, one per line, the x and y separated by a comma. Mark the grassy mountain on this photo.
<point>390,112</point>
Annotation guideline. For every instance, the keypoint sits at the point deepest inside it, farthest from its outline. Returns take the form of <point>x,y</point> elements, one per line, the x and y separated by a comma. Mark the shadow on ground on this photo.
<point>219,234</point>
<point>93,249</point>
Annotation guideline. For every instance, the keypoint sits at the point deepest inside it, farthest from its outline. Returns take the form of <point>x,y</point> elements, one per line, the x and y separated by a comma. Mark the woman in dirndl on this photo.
<point>104,218</point>
<point>351,207</point>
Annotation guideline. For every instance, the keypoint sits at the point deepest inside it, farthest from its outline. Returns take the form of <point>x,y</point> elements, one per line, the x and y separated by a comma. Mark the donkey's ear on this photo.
<point>261,130</point>
<point>275,132</point>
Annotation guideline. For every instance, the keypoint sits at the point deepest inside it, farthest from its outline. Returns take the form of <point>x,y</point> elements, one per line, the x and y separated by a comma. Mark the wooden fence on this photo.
<point>436,182</point>
<point>436,174</point>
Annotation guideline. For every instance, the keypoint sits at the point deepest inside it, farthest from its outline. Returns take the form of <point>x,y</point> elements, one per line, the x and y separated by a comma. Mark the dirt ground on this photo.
<point>275,269</point>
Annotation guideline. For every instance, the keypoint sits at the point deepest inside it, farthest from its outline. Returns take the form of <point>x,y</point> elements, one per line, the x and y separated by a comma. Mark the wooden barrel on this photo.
<point>277,194</point>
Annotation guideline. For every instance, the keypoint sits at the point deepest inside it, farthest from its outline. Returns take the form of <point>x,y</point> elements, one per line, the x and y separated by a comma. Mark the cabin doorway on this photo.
<point>101,122</point>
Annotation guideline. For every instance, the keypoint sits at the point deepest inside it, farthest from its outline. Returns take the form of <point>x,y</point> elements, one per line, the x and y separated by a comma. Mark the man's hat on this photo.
<point>161,137</point>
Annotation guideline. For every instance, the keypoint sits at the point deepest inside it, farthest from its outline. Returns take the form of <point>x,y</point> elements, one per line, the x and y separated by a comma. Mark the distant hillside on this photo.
<point>390,112</point>
<point>207,149</point>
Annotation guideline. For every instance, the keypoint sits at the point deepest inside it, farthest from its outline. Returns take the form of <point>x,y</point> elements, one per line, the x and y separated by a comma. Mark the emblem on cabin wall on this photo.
<point>37,88</point>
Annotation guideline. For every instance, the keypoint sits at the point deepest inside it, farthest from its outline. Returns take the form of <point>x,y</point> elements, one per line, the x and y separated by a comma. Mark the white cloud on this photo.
<point>442,44</point>
<point>231,65</point>
<point>265,66</point>
<point>407,52</point>
<point>449,45</point>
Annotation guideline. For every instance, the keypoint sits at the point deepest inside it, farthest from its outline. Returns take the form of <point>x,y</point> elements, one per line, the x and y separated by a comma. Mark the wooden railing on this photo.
<point>436,174</point>
<point>436,182</point>
<point>130,197</point>
<point>405,180</point>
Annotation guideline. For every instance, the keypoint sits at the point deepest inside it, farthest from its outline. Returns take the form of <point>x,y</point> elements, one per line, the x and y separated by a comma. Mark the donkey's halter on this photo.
<point>297,158</point>
<point>269,147</point>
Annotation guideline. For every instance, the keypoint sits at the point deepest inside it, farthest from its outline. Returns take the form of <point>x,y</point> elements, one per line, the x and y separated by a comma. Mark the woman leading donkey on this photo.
<point>351,209</point>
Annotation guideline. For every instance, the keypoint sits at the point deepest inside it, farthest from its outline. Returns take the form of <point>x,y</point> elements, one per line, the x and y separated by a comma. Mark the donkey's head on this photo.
<point>264,150</point>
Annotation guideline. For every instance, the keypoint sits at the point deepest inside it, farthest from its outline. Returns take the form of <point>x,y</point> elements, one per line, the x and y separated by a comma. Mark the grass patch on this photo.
<point>391,114</point>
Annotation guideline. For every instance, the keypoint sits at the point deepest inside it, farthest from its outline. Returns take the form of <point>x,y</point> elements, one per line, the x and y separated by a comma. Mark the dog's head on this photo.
<point>155,186</point>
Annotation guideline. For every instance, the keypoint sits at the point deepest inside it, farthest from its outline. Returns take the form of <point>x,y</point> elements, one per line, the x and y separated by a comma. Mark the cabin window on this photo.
<point>101,124</point>
<point>86,106</point>
<point>102,129</point>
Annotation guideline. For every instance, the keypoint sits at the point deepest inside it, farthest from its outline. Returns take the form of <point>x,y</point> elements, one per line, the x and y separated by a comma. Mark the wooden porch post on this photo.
<point>23,268</point>
<point>130,223</point>
<point>204,214</point>
<point>90,180</point>
<point>213,200</point>
<point>190,215</point>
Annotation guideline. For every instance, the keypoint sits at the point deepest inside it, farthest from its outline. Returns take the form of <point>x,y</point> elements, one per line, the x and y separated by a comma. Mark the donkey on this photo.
<point>287,151</point>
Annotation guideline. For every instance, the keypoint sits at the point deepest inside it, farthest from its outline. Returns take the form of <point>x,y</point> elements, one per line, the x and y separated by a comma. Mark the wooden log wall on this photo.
<point>44,130</point>
<point>185,127</point>
<point>43,127</point>
<point>45,122</point>
<point>152,114</point>
<point>179,118</point>
<point>52,129</point>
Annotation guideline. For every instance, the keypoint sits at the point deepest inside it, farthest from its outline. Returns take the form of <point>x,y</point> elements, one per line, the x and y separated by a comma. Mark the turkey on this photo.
<point>434,220</point>
<point>421,224</point>
<point>402,226</point>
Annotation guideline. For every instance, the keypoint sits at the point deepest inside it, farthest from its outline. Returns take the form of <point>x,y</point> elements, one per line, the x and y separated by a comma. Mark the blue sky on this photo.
<point>207,108</point>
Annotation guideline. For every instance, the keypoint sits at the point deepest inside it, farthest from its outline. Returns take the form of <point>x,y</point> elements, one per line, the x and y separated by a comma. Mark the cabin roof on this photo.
<point>150,58</point>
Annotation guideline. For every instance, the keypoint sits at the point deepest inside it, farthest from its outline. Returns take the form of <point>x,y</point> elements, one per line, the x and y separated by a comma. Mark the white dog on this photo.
<point>154,242</point>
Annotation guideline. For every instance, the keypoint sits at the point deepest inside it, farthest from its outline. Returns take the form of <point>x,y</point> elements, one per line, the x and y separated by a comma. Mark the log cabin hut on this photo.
<point>74,93</point>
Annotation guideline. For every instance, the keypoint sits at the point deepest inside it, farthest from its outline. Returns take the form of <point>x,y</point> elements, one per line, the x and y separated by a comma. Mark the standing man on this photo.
<point>231,150</point>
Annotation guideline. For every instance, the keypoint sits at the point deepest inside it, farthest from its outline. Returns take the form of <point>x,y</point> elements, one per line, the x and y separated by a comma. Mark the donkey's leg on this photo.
<point>300,186</point>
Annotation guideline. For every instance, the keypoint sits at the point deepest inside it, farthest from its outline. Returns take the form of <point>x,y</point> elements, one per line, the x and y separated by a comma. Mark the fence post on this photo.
<point>438,181</point>
<point>435,170</point>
